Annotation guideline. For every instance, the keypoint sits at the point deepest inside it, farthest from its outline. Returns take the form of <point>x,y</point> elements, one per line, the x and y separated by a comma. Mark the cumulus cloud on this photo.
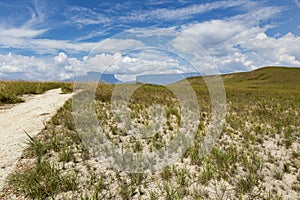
<point>241,43</point>
<point>98,63</point>
<point>61,58</point>
<point>44,68</point>
<point>134,66</point>
<point>62,67</point>
<point>127,67</point>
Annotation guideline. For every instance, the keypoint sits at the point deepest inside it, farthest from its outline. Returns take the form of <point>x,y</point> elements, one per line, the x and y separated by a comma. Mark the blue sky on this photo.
<point>53,40</point>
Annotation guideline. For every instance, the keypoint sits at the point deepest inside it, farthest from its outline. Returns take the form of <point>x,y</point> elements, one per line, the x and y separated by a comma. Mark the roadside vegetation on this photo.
<point>11,91</point>
<point>256,157</point>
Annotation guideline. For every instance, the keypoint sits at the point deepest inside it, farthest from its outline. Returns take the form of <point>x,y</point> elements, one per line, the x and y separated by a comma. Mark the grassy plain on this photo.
<point>256,157</point>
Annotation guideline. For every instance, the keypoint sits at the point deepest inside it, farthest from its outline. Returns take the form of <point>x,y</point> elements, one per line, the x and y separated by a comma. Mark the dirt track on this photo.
<point>25,117</point>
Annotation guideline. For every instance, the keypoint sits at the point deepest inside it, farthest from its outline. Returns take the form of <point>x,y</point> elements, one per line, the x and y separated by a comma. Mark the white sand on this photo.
<point>30,117</point>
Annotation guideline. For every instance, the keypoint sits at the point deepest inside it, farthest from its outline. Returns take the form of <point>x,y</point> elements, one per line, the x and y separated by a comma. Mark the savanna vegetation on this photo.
<point>11,91</point>
<point>256,157</point>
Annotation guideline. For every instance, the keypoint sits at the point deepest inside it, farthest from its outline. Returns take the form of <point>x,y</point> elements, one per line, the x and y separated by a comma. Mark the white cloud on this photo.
<point>117,45</point>
<point>98,62</point>
<point>44,68</point>
<point>61,58</point>
<point>92,35</point>
<point>85,16</point>
<point>25,39</point>
<point>126,67</point>
<point>146,32</point>
<point>240,48</point>
<point>284,50</point>
<point>31,27</point>
<point>131,64</point>
<point>61,66</point>
<point>24,35</point>
<point>43,46</point>
<point>182,13</point>
<point>241,43</point>
<point>20,32</point>
<point>82,16</point>
<point>258,14</point>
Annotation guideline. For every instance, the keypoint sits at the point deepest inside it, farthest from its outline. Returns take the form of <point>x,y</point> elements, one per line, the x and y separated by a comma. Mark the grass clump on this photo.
<point>43,180</point>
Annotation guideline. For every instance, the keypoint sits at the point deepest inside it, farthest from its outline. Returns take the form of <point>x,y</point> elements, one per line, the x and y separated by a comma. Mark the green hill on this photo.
<point>267,75</point>
<point>271,78</point>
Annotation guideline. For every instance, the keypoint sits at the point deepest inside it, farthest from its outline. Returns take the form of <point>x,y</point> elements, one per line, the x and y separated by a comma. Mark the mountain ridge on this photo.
<point>265,75</point>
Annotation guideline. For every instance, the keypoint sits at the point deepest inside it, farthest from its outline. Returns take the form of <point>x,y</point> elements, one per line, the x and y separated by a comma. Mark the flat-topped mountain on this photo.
<point>97,76</point>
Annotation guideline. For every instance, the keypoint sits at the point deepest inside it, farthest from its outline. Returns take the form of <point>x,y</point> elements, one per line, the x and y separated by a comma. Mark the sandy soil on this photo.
<point>25,117</point>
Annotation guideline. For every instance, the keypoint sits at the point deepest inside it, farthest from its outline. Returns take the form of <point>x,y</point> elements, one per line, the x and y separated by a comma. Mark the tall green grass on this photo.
<point>10,91</point>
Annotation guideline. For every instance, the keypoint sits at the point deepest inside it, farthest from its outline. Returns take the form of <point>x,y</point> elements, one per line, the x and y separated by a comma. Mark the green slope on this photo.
<point>266,78</point>
<point>266,75</point>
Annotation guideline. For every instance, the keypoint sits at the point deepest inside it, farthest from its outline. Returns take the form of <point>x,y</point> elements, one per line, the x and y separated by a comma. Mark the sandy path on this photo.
<point>30,117</point>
